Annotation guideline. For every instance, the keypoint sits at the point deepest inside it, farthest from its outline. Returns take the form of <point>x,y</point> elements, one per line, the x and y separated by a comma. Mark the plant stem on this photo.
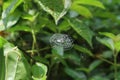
<point>115,65</point>
<point>105,60</point>
<point>36,50</point>
<point>34,41</point>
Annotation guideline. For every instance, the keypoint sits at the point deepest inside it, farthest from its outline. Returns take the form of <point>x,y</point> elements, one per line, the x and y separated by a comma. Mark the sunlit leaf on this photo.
<point>81,10</point>
<point>2,59</point>
<point>116,40</point>
<point>16,66</point>
<point>2,42</point>
<point>9,7</point>
<point>9,17</point>
<point>107,34</point>
<point>30,17</point>
<point>9,21</point>
<point>57,8</point>
<point>96,3</point>
<point>117,46</point>
<point>19,28</point>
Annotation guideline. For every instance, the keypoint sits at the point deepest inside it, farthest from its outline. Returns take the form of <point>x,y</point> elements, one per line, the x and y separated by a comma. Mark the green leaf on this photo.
<point>9,15</point>
<point>74,74</point>
<point>57,8</point>
<point>2,65</point>
<point>16,66</point>
<point>117,46</point>
<point>81,10</point>
<point>117,38</point>
<point>96,3</point>
<point>118,76</point>
<point>105,14</point>
<point>72,56</point>
<point>10,6</point>
<point>58,50</point>
<point>39,71</point>
<point>19,28</point>
<point>83,50</point>
<point>107,42</point>
<point>41,59</point>
<point>44,78</point>
<point>83,69</point>
<point>64,26</point>
<point>94,65</point>
<point>2,41</point>
<point>107,34</point>
<point>2,59</point>
<point>99,77</point>
<point>107,54</point>
<point>82,30</point>
<point>30,17</point>
<point>117,42</point>
<point>9,21</point>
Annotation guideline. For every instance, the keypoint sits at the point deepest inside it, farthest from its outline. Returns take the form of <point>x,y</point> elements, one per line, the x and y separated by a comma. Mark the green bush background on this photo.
<point>27,25</point>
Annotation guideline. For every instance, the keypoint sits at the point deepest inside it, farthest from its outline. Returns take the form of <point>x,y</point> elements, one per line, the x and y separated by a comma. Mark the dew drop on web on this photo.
<point>62,40</point>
